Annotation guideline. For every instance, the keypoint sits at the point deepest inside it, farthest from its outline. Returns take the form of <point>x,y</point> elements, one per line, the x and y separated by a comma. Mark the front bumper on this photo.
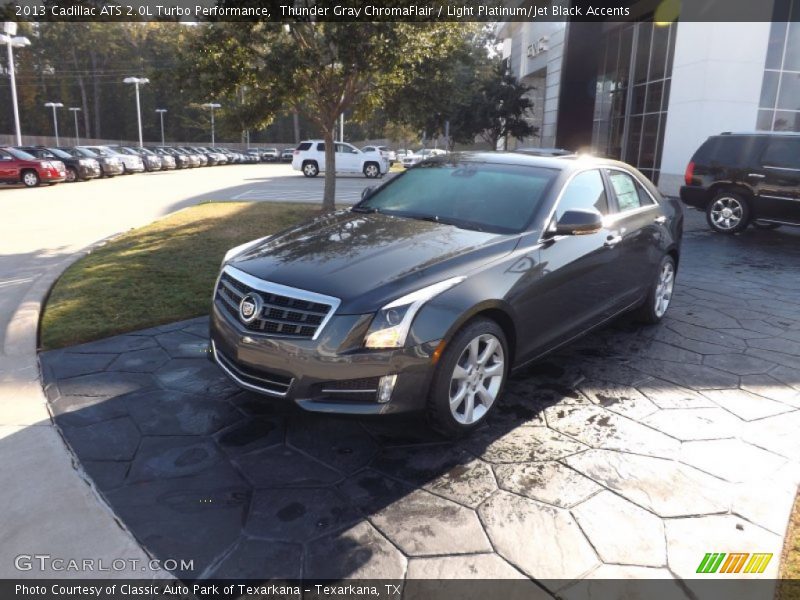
<point>331,374</point>
<point>113,169</point>
<point>53,175</point>
<point>87,172</point>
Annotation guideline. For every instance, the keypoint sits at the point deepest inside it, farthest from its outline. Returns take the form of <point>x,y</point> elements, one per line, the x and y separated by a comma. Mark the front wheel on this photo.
<point>72,175</point>
<point>728,212</point>
<point>30,179</point>
<point>310,169</point>
<point>371,171</point>
<point>660,294</point>
<point>469,378</point>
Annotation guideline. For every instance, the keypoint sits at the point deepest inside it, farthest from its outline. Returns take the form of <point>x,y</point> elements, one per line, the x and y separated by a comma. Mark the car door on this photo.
<point>8,167</point>
<point>577,285</point>
<point>639,225</point>
<point>348,158</point>
<point>779,189</point>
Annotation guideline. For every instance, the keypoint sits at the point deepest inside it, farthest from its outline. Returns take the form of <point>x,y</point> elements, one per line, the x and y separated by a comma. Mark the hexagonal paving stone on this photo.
<point>298,514</point>
<point>688,540</point>
<point>421,524</point>
<point>738,364</point>
<point>599,428</point>
<point>621,399</point>
<point>116,345</point>
<point>611,370</point>
<point>168,412</point>
<point>766,502</point>
<point>665,487</point>
<point>732,460</point>
<point>359,552</point>
<point>166,457</point>
<point>115,439</point>
<point>773,388</point>
<point>704,334</point>
<point>665,394</point>
<point>695,423</point>
<point>63,364</point>
<point>339,442</point>
<point>77,411</point>
<point>195,375</point>
<point>106,474</point>
<point>261,560</point>
<point>258,405</point>
<point>549,482</point>
<point>787,376</point>
<point>440,468</point>
<point>526,444</point>
<point>370,491</point>
<point>180,344</point>
<point>745,405</point>
<point>472,566</point>
<point>696,377</point>
<point>251,434</point>
<point>610,582</point>
<point>636,539</point>
<point>544,542</point>
<point>279,466</point>
<point>106,385</point>
<point>140,361</point>
<point>776,434</point>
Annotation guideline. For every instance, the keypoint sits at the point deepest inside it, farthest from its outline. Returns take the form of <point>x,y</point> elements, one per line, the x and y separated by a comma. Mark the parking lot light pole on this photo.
<point>137,81</point>
<point>11,40</point>
<point>212,106</point>
<point>75,112</point>
<point>161,112</point>
<point>54,106</point>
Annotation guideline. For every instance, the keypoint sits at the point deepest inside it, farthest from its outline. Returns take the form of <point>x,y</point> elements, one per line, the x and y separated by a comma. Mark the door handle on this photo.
<point>660,220</point>
<point>756,175</point>
<point>612,241</point>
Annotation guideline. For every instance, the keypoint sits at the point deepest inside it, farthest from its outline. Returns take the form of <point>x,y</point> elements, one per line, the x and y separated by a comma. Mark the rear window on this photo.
<point>304,146</point>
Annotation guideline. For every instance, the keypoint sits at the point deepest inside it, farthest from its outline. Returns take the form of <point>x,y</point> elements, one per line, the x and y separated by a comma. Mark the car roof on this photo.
<point>562,163</point>
<point>759,133</point>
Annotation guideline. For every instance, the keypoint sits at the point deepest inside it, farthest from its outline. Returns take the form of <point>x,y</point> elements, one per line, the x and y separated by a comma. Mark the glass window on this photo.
<point>789,95</point>
<point>321,147</point>
<point>629,192</point>
<point>764,120</point>
<point>777,36</point>
<point>344,148</point>
<point>791,59</point>
<point>782,153</point>
<point>786,121</point>
<point>585,192</point>
<point>769,89</point>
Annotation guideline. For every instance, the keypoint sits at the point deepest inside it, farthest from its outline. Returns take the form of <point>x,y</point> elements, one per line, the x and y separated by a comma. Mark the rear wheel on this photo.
<point>30,178</point>
<point>728,212</point>
<point>469,378</point>
<point>660,295</point>
<point>310,169</point>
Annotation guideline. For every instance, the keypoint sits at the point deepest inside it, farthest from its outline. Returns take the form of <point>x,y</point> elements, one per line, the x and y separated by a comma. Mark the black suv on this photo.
<point>743,178</point>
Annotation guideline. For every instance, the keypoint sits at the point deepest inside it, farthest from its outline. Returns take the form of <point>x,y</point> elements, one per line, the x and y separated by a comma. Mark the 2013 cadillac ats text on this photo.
<point>425,294</point>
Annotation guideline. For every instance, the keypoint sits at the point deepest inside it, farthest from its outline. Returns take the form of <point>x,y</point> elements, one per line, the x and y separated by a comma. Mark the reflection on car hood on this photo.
<point>370,259</point>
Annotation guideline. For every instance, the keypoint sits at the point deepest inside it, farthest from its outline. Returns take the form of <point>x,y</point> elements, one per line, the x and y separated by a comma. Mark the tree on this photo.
<point>501,107</point>
<point>320,69</point>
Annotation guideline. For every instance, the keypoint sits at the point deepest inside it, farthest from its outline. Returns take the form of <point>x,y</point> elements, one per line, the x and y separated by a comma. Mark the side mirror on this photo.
<point>367,192</point>
<point>579,222</point>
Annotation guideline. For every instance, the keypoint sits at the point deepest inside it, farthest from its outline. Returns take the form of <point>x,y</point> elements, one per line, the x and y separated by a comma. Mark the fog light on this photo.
<point>385,388</point>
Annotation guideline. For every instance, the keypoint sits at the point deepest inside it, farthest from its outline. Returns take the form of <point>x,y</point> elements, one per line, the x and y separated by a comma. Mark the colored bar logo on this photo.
<point>734,562</point>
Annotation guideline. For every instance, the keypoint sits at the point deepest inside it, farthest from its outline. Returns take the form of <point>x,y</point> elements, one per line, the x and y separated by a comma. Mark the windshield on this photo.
<point>21,155</point>
<point>102,151</point>
<point>487,197</point>
<point>59,153</point>
<point>146,151</point>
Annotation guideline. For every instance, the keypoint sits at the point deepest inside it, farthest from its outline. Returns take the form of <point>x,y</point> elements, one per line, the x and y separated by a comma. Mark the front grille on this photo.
<point>263,381</point>
<point>365,384</point>
<point>282,315</point>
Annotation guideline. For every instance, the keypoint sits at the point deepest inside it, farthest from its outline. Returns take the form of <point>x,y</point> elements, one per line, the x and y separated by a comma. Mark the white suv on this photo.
<point>309,157</point>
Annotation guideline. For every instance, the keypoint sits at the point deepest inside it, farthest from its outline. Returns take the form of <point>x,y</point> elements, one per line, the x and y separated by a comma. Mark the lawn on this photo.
<point>156,274</point>
<point>789,587</point>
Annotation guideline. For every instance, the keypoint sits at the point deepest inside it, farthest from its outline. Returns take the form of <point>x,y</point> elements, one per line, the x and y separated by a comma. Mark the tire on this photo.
<point>30,178</point>
<point>659,295</point>
<point>310,169</point>
<point>765,226</point>
<point>459,373</point>
<point>72,175</point>
<point>372,170</point>
<point>728,212</point>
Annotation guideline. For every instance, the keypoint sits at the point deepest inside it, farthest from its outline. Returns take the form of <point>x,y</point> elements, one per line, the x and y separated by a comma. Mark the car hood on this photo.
<point>367,260</point>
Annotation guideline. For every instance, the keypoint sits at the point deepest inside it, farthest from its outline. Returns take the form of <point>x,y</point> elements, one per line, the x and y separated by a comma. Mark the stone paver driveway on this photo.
<point>630,453</point>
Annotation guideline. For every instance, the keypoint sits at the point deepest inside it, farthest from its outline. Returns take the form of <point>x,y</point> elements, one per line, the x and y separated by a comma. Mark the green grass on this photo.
<point>789,586</point>
<point>156,274</point>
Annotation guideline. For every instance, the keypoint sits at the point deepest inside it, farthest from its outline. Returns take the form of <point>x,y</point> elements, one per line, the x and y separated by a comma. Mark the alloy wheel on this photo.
<point>727,213</point>
<point>371,171</point>
<point>477,379</point>
<point>30,179</point>
<point>664,287</point>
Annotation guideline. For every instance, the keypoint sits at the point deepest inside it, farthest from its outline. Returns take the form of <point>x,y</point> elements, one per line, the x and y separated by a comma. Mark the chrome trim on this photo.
<point>782,168</point>
<point>243,383</point>
<point>790,199</point>
<point>790,223</point>
<point>285,290</point>
<point>375,391</point>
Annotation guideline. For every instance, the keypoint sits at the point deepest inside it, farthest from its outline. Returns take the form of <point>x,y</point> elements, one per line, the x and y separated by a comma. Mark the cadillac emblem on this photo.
<point>250,307</point>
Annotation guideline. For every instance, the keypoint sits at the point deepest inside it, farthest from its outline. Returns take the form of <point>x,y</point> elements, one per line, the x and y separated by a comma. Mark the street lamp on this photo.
<point>136,81</point>
<point>161,112</point>
<point>75,112</point>
<point>212,106</point>
<point>11,40</point>
<point>54,106</point>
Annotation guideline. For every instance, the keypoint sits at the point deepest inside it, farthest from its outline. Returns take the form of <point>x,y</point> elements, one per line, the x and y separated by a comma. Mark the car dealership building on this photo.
<point>649,93</point>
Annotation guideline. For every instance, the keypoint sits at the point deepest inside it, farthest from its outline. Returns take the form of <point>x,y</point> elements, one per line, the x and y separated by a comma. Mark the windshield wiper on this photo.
<point>364,209</point>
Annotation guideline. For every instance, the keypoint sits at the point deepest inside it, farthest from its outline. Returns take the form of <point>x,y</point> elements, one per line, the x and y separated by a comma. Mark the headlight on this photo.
<point>47,165</point>
<point>242,248</point>
<point>390,325</point>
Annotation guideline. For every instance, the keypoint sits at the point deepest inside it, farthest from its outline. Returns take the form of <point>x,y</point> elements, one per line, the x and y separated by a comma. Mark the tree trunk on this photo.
<point>95,95</point>
<point>329,195</point>
<point>296,123</point>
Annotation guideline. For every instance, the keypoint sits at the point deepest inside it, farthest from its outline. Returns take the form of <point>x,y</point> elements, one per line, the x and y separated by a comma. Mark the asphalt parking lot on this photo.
<point>630,453</point>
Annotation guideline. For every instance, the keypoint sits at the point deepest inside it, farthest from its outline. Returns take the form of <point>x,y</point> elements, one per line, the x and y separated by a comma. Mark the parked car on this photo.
<point>17,166</point>
<point>151,161</point>
<point>110,164</point>
<point>78,169</point>
<point>130,163</point>
<point>545,151</point>
<point>202,159</point>
<point>309,157</point>
<point>287,154</point>
<point>424,295</point>
<point>409,160</point>
<point>743,178</point>
<point>181,160</point>
<point>270,154</point>
<point>167,160</point>
<point>384,151</point>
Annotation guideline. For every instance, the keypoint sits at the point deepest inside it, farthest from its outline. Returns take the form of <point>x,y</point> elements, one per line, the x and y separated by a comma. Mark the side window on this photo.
<point>629,192</point>
<point>784,153</point>
<point>321,147</point>
<point>304,146</point>
<point>585,192</point>
<point>345,149</point>
<point>4,155</point>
